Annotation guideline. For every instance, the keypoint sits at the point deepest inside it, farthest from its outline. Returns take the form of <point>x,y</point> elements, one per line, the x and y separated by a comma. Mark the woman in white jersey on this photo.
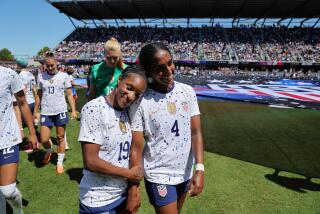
<point>105,137</point>
<point>52,85</point>
<point>167,135</point>
<point>11,85</point>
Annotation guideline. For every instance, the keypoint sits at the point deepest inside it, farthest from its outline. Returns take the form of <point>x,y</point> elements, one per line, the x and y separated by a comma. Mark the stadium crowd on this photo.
<point>205,43</point>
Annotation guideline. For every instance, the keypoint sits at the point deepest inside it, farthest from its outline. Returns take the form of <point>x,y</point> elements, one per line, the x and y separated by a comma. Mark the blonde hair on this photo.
<point>113,45</point>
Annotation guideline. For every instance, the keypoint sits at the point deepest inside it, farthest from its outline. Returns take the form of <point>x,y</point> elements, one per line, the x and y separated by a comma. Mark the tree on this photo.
<point>5,55</point>
<point>43,50</point>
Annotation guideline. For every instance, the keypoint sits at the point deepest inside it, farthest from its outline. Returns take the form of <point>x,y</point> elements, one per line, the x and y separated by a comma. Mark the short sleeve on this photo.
<point>136,116</point>
<point>194,107</point>
<point>91,126</point>
<point>39,85</point>
<point>67,82</point>
<point>16,84</point>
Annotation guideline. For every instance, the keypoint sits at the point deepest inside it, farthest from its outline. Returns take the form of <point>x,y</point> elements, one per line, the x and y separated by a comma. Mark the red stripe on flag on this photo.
<point>230,90</point>
<point>297,96</point>
<point>315,95</point>
<point>260,93</point>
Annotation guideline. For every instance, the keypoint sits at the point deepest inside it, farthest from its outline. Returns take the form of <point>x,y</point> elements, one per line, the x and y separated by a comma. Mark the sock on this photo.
<point>13,195</point>
<point>2,204</point>
<point>60,158</point>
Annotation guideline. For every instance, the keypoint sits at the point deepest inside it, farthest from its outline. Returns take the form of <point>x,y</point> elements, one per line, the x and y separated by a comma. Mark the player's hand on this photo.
<point>135,174</point>
<point>197,182</point>
<point>74,115</point>
<point>134,199</point>
<point>33,140</point>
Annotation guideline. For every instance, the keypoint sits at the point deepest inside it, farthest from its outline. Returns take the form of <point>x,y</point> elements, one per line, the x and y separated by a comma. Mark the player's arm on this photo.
<point>197,148</point>
<point>72,103</point>
<point>37,102</point>
<point>136,151</point>
<point>94,163</point>
<point>21,99</point>
<point>36,98</point>
<point>92,91</point>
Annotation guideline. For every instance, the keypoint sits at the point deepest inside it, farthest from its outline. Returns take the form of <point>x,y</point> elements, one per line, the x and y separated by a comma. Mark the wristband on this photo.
<point>199,167</point>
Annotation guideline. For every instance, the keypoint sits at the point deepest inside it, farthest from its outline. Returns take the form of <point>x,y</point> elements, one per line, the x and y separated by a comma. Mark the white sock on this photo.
<point>2,204</point>
<point>13,195</point>
<point>60,158</point>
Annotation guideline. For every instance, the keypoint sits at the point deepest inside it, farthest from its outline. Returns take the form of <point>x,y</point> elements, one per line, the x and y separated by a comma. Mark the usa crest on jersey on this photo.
<point>162,190</point>
<point>185,106</point>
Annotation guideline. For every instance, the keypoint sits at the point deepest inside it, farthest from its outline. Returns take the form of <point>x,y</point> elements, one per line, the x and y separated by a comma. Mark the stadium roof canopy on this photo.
<point>166,9</point>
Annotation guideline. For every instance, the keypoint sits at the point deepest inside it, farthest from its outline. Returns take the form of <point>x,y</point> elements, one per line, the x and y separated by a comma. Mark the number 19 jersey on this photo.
<point>109,128</point>
<point>165,120</point>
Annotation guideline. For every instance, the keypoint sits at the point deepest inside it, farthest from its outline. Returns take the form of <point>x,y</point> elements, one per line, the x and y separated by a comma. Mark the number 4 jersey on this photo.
<point>165,120</point>
<point>109,128</point>
<point>53,88</point>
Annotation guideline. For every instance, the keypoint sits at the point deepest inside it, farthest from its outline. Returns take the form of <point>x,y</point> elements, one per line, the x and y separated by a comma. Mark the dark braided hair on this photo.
<point>147,53</point>
<point>134,69</point>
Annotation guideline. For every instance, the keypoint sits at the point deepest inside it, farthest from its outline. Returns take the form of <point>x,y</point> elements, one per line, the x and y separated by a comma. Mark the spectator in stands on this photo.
<point>104,76</point>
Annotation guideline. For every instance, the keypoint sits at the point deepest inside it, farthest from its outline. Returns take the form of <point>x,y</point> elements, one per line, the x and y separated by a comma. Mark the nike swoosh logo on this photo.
<point>6,157</point>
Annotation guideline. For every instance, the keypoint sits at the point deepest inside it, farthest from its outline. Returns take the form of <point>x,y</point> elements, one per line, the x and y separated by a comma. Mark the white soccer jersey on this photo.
<point>101,124</point>
<point>53,88</point>
<point>10,83</point>
<point>165,120</point>
<point>29,81</point>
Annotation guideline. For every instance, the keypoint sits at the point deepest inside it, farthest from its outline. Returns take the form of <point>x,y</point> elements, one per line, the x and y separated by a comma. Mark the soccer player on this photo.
<point>11,85</point>
<point>30,89</point>
<point>166,135</point>
<point>104,76</point>
<point>52,85</point>
<point>105,137</point>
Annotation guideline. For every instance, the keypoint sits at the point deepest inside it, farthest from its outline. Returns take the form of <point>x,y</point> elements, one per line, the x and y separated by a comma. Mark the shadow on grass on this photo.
<point>296,184</point>
<point>37,157</point>
<point>284,139</point>
<point>75,174</point>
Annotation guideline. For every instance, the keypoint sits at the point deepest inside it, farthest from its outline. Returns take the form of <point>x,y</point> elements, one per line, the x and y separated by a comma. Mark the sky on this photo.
<point>26,26</point>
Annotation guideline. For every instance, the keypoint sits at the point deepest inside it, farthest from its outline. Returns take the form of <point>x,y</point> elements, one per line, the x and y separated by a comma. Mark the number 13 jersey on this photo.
<point>165,119</point>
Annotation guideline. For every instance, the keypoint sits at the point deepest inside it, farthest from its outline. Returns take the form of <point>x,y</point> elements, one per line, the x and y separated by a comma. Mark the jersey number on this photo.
<point>175,128</point>
<point>7,151</point>
<point>51,89</point>
<point>124,151</point>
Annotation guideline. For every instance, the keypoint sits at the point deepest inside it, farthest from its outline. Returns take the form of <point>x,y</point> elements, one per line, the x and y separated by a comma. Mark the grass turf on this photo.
<point>244,143</point>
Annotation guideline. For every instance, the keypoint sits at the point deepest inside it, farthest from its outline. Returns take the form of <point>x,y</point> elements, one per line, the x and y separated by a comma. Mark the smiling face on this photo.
<point>162,70</point>
<point>129,89</point>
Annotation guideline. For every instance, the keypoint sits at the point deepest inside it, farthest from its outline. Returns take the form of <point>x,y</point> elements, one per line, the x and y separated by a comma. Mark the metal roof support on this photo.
<point>116,22</point>
<point>303,21</point>
<point>112,10</point>
<point>214,8</point>
<point>72,22</point>
<point>188,22</point>
<point>264,21</point>
<point>289,22</point>
<point>162,11</point>
<point>94,23</point>
<point>279,22</point>
<point>315,24</point>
